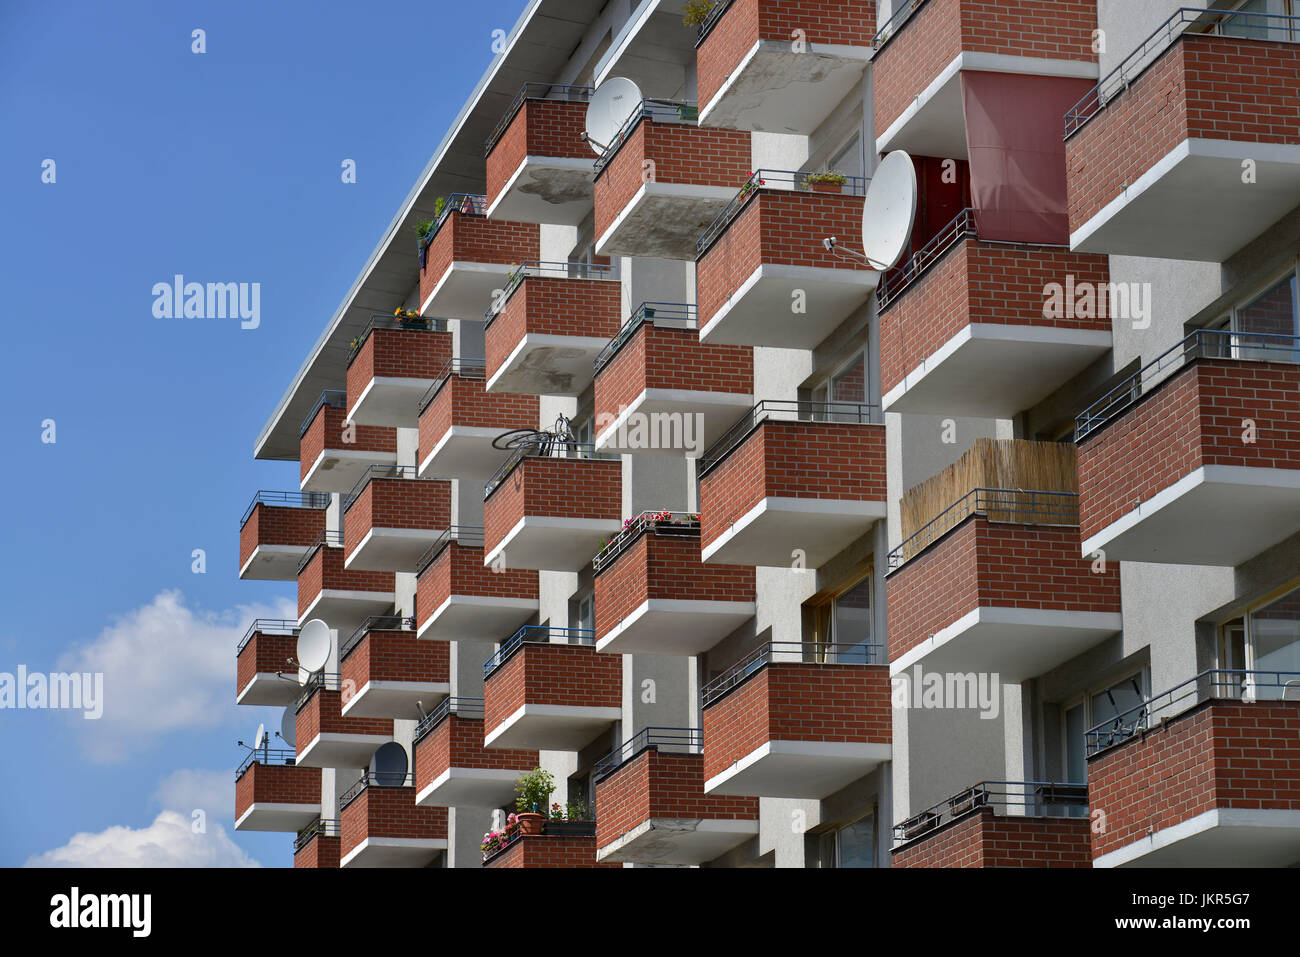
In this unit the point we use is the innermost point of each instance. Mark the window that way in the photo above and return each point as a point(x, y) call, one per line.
point(1267, 25)
point(847, 384)
point(1269, 322)
point(587, 612)
point(1265, 639)
point(1112, 703)
point(845, 621)
point(848, 160)
point(853, 845)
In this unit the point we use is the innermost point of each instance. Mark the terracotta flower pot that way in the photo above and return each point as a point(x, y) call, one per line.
point(821, 186)
point(531, 823)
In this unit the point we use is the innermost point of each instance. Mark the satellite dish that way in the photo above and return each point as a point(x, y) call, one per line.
point(261, 737)
point(609, 107)
point(889, 211)
point(388, 765)
point(314, 645)
point(289, 727)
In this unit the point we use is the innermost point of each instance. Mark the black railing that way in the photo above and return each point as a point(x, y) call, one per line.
point(536, 635)
point(1201, 344)
point(375, 623)
point(1214, 684)
point(660, 111)
point(512, 836)
point(899, 18)
point(776, 181)
point(543, 448)
point(1018, 506)
point(785, 410)
point(317, 681)
point(375, 779)
point(660, 522)
point(535, 91)
point(790, 652)
point(466, 536)
point(1034, 798)
point(285, 500)
point(402, 323)
point(326, 539)
point(406, 473)
point(710, 20)
point(467, 204)
point(462, 368)
point(543, 270)
point(905, 273)
point(667, 740)
point(268, 756)
point(267, 626)
point(679, 315)
point(1235, 24)
point(333, 398)
point(467, 709)
point(317, 828)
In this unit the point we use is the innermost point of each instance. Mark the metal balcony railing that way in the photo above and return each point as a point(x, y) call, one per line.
point(327, 539)
point(902, 14)
point(467, 709)
point(269, 756)
point(1201, 344)
point(544, 270)
point(1032, 798)
point(461, 368)
point(318, 828)
point(401, 323)
point(319, 681)
point(285, 500)
point(1232, 685)
point(1236, 24)
point(467, 204)
point(667, 740)
point(550, 828)
point(375, 623)
point(772, 181)
point(541, 449)
point(466, 536)
point(785, 410)
point(660, 522)
point(790, 652)
point(1018, 506)
point(375, 779)
point(711, 20)
point(683, 112)
point(536, 635)
point(675, 315)
point(536, 91)
point(266, 626)
point(333, 398)
point(406, 473)
point(895, 281)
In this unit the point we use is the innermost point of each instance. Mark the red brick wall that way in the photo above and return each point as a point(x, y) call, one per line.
point(276, 784)
point(323, 714)
point(563, 488)
point(467, 403)
point(474, 239)
point(978, 282)
point(325, 570)
point(326, 432)
point(389, 812)
point(396, 503)
point(1202, 87)
point(460, 571)
point(777, 226)
point(792, 701)
point(320, 851)
point(543, 305)
point(983, 564)
point(809, 460)
point(265, 654)
point(397, 353)
point(697, 156)
point(550, 128)
point(274, 525)
point(458, 743)
point(666, 567)
point(1222, 754)
point(841, 22)
point(552, 674)
point(546, 850)
point(985, 839)
point(655, 785)
point(930, 40)
point(1191, 420)
point(394, 656)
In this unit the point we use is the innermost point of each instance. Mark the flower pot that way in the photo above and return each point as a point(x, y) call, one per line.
point(531, 823)
point(823, 187)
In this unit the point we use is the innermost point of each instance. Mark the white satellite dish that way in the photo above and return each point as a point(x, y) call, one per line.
point(607, 111)
point(260, 739)
point(289, 727)
point(889, 211)
point(314, 646)
point(388, 765)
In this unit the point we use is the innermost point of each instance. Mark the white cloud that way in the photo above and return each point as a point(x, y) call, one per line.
point(168, 842)
point(184, 791)
point(166, 668)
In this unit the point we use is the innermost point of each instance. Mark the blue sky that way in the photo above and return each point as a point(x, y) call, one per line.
point(224, 167)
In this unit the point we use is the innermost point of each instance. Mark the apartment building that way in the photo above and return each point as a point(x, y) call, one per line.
point(614, 467)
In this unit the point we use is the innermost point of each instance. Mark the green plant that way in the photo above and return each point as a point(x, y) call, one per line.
point(828, 176)
point(695, 12)
point(422, 230)
point(439, 205)
point(577, 810)
point(534, 789)
point(557, 812)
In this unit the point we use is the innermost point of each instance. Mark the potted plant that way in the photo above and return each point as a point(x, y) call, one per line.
point(422, 230)
point(827, 181)
point(695, 12)
point(534, 789)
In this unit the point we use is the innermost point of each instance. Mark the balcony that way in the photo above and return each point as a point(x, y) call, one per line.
point(762, 274)
point(544, 332)
point(459, 419)
point(653, 596)
point(317, 845)
point(389, 672)
point(275, 529)
point(1000, 824)
point(1202, 775)
point(663, 180)
point(1216, 425)
point(539, 167)
point(393, 362)
point(326, 739)
point(263, 675)
point(996, 583)
point(465, 257)
point(660, 391)
point(548, 689)
point(787, 491)
point(381, 825)
point(391, 517)
point(333, 453)
point(564, 844)
point(652, 808)
point(797, 720)
point(990, 328)
point(459, 598)
point(752, 77)
point(1204, 110)
point(342, 597)
point(928, 49)
point(273, 794)
point(453, 769)
point(551, 511)
point(653, 48)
